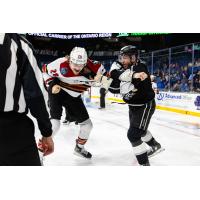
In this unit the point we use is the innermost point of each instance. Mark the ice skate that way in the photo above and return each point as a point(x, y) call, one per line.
point(155, 149)
point(101, 108)
point(66, 122)
point(145, 164)
point(82, 152)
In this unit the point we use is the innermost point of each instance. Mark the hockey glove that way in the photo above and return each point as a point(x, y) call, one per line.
point(104, 80)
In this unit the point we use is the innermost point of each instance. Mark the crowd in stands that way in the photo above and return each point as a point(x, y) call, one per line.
point(175, 77)
point(181, 76)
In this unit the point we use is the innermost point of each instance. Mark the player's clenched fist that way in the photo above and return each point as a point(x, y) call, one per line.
point(56, 89)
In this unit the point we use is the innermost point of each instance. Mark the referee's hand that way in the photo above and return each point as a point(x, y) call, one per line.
point(47, 145)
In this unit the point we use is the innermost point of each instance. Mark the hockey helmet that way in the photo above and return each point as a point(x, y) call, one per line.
point(129, 50)
point(78, 56)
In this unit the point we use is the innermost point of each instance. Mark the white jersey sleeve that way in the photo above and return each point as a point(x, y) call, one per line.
point(52, 70)
point(116, 66)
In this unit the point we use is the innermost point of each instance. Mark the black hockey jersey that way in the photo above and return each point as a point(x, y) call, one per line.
point(142, 92)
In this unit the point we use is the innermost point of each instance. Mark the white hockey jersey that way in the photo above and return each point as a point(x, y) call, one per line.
point(69, 82)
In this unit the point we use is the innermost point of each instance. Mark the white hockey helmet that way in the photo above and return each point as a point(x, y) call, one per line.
point(78, 56)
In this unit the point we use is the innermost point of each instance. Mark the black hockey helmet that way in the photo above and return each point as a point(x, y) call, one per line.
point(129, 50)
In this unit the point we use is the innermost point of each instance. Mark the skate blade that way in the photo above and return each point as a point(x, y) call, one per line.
point(81, 156)
point(66, 124)
point(157, 152)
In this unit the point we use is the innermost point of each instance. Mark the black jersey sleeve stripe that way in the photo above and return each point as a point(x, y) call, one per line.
point(5, 58)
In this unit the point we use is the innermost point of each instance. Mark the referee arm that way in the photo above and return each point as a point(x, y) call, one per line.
point(32, 83)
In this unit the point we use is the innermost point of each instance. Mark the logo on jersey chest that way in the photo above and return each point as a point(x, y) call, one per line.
point(63, 71)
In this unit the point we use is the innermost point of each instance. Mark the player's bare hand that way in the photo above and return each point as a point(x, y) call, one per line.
point(56, 89)
point(140, 75)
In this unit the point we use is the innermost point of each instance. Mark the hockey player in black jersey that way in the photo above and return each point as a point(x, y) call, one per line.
point(131, 77)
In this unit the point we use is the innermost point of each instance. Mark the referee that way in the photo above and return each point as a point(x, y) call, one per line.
point(20, 92)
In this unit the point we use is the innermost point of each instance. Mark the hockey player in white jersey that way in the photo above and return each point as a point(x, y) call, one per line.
point(66, 79)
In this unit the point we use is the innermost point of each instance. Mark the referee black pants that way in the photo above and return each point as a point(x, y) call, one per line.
point(17, 141)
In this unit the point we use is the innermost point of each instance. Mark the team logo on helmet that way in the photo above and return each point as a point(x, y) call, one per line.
point(80, 56)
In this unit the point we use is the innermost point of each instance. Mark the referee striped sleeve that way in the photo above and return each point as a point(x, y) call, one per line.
point(33, 63)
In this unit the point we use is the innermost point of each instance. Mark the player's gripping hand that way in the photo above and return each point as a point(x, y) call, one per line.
point(56, 89)
point(104, 80)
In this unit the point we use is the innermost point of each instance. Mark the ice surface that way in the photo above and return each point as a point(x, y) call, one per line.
point(179, 135)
